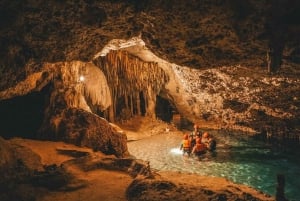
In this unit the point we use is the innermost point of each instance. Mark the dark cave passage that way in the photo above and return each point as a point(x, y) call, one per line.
point(164, 109)
point(22, 116)
point(167, 112)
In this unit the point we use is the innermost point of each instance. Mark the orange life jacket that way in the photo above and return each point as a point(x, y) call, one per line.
point(186, 144)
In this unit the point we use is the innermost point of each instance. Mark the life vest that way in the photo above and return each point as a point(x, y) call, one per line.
point(186, 144)
point(200, 147)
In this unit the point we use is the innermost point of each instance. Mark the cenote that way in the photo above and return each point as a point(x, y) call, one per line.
point(242, 160)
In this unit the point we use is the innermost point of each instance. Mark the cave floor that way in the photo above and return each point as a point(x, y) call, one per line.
point(94, 185)
point(105, 184)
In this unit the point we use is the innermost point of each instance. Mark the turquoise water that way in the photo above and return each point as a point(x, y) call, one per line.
point(240, 159)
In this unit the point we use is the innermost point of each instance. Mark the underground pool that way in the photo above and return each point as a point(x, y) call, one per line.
point(241, 159)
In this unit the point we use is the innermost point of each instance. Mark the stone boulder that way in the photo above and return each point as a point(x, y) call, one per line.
point(83, 128)
point(6, 155)
point(17, 165)
point(17, 161)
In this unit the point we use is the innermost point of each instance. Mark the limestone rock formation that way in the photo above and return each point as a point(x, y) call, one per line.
point(17, 164)
point(69, 68)
point(82, 128)
point(172, 189)
point(117, 59)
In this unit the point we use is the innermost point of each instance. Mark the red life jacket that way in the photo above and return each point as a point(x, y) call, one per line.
point(200, 147)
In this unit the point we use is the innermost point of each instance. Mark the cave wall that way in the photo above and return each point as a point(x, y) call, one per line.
point(63, 110)
point(56, 42)
point(125, 78)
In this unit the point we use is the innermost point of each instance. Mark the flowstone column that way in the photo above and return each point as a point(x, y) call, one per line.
point(151, 100)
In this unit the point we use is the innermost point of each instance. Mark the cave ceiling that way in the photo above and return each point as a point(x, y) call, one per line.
point(197, 34)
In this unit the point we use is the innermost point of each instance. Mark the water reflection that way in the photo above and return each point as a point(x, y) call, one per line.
point(238, 159)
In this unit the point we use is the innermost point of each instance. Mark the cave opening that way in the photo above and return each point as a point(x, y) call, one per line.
point(22, 116)
point(164, 109)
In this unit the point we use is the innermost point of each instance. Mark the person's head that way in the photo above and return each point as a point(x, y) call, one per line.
point(198, 140)
point(205, 135)
point(186, 136)
point(196, 126)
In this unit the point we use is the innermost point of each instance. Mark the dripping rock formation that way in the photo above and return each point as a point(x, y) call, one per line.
point(127, 79)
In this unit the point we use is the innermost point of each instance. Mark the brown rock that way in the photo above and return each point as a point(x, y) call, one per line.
point(86, 129)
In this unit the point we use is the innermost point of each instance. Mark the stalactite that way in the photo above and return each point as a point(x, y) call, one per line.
point(126, 101)
point(146, 100)
point(127, 75)
point(138, 103)
point(131, 105)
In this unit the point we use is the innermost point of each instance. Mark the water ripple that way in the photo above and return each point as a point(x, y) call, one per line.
point(239, 160)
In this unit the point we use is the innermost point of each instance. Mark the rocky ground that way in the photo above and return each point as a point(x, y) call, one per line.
point(44, 171)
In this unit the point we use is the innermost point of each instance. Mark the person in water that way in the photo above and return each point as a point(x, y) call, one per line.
point(199, 147)
point(196, 131)
point(209, 141)
point(193, 135)
point(186, 145)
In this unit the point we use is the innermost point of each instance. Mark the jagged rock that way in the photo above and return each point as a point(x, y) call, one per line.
point(6, 154)
point(83, 128)
point(17, 165)
point(136, 168)
point(17, 161)
point(160, 189)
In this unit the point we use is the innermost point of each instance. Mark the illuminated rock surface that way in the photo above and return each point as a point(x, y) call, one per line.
point(66, 65)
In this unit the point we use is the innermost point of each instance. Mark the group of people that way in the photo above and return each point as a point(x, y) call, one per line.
point(197, 143)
